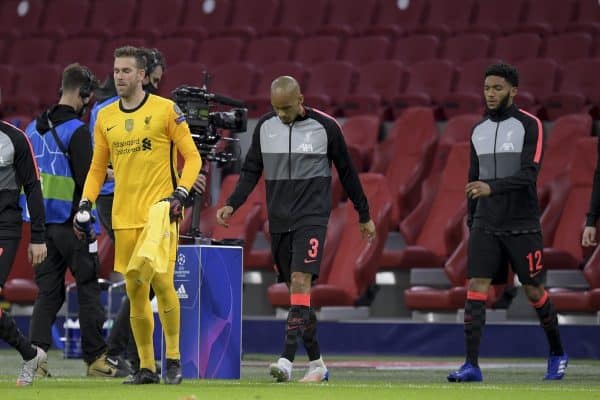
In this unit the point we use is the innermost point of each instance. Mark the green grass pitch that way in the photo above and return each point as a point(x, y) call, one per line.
point(351, 378)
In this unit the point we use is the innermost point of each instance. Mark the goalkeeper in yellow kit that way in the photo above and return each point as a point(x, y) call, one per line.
point(141, 134)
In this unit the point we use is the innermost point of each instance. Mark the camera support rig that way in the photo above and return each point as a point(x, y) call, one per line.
point(195, 103)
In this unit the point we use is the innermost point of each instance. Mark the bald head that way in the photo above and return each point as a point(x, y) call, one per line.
point(286, 98)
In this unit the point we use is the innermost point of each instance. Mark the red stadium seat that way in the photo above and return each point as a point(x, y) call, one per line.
point(218, 51)
point(181, 74)
point(496, 18)
point(234, 80)
point(588, 18)
point(466, 47)
point(201, 19)
point(518, 46)
point(537, 80)
point(268, 50)
point(64, 18)
point(20, 287)
point(31, 51)
point(36, 87)
point(416, 48)
point(252, 18)
point(394, 18)
point(458, 129)
point(7, 82)
point(362, 132)
point(105, 22)
point(569, 46)
point(81, 50)
point(441, 209)
point(428, 83)
point(366, 49)
point(243, 224)
point(547, 16)
point(19, 18)
point(329, 84)
point(378, 83)
point(565, 252)
point(569, 300)
point(560, 146)
point(347, 18)
point(403, 157)
point(300, 18)
point(448, 17)
point(157, 19)
point(176, 49)
point(260, 102)
point(552, 184)
point(467, 97)
point(316, 49)
point(579, 87)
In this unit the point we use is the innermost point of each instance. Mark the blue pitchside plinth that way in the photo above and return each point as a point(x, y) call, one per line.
point(208, 280)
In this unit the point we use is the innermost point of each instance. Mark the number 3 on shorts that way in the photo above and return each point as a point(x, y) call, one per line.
point(314, 247)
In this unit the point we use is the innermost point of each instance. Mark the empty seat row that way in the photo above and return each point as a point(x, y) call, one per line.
point(267, 50)
point(385, 88)
point(339, 17)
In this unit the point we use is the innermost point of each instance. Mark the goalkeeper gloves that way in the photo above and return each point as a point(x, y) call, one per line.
point(83, 222)
point(176, 201)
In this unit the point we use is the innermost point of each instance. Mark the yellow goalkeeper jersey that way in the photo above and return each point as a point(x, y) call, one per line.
point(142, 145)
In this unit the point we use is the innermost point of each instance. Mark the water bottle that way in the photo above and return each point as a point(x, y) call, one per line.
point(84, 219)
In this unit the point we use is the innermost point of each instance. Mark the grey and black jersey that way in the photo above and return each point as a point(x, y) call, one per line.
point(18, 170)
point(296, 162)
point(506, 153)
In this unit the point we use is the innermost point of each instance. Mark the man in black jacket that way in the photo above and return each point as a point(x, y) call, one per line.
point(62, 145)
point(294, 147)
point(504, 217)
point(19, 170)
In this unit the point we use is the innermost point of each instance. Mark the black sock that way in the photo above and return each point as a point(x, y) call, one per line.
point(549, 321)
point(11, 334)
point(311, 344)
point(298, 317)
point(474, 323)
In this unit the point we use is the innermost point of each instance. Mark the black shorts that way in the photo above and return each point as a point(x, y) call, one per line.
point(8, 251)
point(489, 256)
point(298, 251)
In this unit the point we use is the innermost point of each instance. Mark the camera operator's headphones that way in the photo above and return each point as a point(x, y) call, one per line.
point(88, 87)
point(153, 60)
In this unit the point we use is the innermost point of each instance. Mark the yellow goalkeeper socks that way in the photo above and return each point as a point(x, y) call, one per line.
point(168, 311)
point(142, 320)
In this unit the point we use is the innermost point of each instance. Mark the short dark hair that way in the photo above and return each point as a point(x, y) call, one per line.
point(154, 58)
point(76, 76)
point(134, 52)
point(505, 71)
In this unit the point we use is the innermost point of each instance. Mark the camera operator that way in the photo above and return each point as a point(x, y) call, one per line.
point(62, 146)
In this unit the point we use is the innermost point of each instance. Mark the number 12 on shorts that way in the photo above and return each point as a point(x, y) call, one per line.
point(535, 262)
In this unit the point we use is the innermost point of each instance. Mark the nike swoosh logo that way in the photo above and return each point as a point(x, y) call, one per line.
point(108, 129)
point(107, 371)
point(308, 261)
point(537, 273)
point(113, 362)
